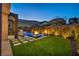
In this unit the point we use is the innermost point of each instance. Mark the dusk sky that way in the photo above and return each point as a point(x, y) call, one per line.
point(45, 11)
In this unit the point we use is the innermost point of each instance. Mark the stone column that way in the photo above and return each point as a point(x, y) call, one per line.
point(5, 44)
point(16, 26)
point(14, 18)
point(0, 27)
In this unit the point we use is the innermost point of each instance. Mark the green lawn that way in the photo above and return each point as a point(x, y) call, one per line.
point(49, 46)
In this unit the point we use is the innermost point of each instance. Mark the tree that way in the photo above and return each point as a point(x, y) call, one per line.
point(74, 20)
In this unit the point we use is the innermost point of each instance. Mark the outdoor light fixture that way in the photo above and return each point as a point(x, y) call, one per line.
point(46, 32)
point(36, 32)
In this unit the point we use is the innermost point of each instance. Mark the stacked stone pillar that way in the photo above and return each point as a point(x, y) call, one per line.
point(14, 19)
point(5, 48)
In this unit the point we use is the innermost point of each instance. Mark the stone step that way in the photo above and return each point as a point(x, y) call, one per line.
point(17, 44)
point(77, 51)
point(25, 42)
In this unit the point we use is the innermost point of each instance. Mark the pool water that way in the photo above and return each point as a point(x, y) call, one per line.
point(30, 34)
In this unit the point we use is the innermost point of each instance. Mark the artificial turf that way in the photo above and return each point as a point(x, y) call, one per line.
point(48, 46)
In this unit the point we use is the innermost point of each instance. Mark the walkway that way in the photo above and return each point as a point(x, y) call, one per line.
point(6, 49)
point(72, 42)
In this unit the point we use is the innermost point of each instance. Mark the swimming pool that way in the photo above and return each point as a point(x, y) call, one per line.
point(30, 34)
